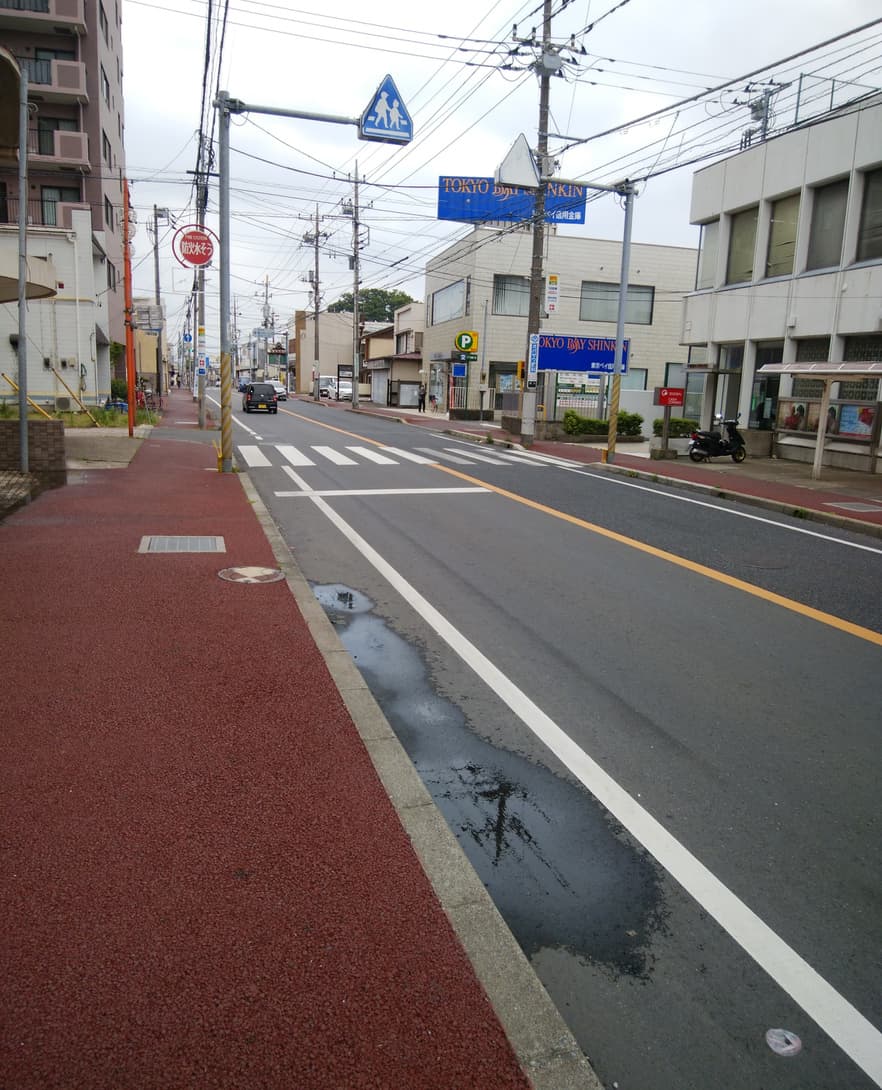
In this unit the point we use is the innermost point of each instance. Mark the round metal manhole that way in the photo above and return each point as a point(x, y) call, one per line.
point(251, 575)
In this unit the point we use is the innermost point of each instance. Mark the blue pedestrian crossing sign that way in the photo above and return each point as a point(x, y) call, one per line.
point(386, 118)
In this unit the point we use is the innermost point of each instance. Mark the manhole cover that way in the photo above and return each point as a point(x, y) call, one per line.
point(251, 575)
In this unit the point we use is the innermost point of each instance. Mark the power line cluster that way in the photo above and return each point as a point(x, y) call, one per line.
point(706, 124)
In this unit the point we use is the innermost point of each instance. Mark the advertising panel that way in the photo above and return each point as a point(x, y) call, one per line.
point(565, 352)
point(483, 200)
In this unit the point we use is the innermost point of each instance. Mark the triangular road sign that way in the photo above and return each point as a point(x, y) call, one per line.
point(386, 117)
point(519, 167)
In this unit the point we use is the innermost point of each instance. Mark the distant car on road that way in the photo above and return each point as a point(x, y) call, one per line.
point(281, 391)
point(327, 386)
point(344, 390)
point(260, 395)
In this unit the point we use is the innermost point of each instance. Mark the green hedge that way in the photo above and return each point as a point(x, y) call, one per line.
point(628, 424)
point(678, 427)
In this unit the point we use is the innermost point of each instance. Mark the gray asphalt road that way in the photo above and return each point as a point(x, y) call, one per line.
point(652, 724)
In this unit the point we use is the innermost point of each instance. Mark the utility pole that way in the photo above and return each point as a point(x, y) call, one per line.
point(157, 212)
point(313, 238)
point(548, 62)
point(356, 309)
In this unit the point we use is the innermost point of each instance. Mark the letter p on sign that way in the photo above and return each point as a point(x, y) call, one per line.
point(466, 341)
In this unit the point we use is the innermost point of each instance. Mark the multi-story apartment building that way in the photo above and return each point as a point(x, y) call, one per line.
point(790, 278)
point(71, 54)
point(481, 285)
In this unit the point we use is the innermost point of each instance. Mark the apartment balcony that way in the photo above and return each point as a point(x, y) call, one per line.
point(43, 16)
point(43, 213)
point(58, 150)
point(55, 81)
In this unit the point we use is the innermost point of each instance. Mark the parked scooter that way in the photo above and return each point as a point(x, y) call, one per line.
point(711, 444)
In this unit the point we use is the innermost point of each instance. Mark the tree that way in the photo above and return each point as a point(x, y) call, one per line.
point(376, 305)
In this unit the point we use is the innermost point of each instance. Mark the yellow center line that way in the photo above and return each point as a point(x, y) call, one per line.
point(661, 554)
point(681, 562)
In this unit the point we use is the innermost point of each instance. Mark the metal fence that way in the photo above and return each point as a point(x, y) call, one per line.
point(464, 398)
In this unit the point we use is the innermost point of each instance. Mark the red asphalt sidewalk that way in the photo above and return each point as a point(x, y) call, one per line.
point(206, 884)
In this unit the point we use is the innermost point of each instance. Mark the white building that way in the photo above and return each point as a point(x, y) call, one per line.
point(481, 284)
point(790, 272)
point(67, 346)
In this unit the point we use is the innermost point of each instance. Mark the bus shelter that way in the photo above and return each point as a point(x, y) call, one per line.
point(855, 422)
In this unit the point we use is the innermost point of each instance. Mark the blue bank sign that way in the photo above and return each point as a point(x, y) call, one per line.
point(478, 200)
point(565, 352)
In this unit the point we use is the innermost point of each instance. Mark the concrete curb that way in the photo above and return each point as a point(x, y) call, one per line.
point(542, 1042)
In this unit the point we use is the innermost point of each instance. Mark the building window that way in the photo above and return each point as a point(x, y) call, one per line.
point(105, 86)
point(600, 303)
point(102, 22)
point(782, 236)
point(449, 303)
point(108, 213)
point(742, 242)
point(111, 276)
point(707, 255)
point(861, 350)
point(828, 223)
point(870, 232)
point(511, 295)
point(51, 196)
point(105, 148)
point(46, 129)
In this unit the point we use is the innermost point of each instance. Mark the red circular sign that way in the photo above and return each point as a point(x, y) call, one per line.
point(194, 245)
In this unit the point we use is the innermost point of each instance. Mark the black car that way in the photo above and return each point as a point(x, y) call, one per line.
point(260, 395)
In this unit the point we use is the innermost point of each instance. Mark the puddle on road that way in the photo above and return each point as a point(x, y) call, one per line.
point(555, 863)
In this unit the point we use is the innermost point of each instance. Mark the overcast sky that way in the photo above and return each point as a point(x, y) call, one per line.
point(469, 98)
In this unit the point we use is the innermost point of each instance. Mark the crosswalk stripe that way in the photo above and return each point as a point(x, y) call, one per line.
point(410, 456)
point(293, 455)
point(484, 458)
point(254, 456)
point(335, 456)
point(373, 456)
point(445, 456)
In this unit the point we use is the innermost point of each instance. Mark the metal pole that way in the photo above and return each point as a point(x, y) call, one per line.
point(23, 271)
point(201, 202)
point(224, 210)
point(627, 190)
point(157, 299)
point(356, 310)
point(315, 299)
point(127, 295)
point(528, 398)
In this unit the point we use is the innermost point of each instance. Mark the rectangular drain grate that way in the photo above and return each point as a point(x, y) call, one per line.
point(159, 544)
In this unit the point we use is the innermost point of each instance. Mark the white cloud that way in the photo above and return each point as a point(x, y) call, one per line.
point(641, 58)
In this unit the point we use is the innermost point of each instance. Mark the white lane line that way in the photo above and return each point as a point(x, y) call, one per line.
point(409, 456)
point(481, 458)
point(254, 457)
point(383, 492)
point(373, 456)
point(728, 511)
point(447, 457)
point(335, 456)
point(850, 1030)
point(293, 455)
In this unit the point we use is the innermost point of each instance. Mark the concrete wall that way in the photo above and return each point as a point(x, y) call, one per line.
point(46, 457)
